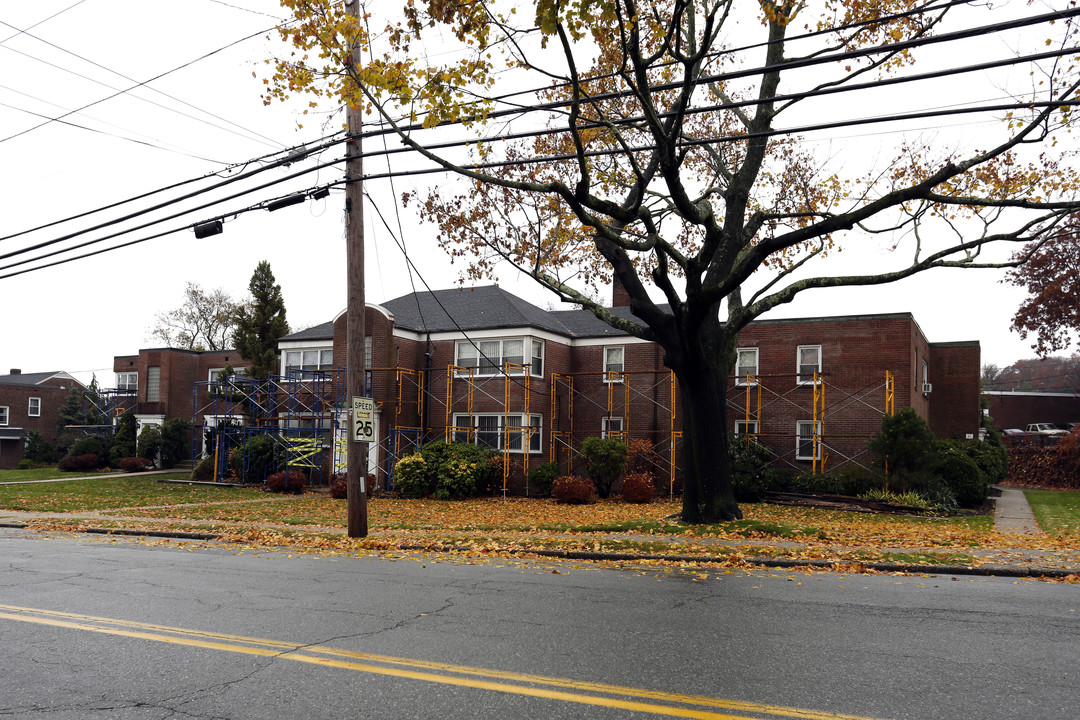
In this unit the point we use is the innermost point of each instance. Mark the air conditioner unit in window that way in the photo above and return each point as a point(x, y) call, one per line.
point(927, 387)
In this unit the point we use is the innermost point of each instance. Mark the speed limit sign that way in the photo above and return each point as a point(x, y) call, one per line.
point(363, 409)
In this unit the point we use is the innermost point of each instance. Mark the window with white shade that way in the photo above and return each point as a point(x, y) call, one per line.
point(809, 362)
point(614, 363)
point(746, 366)
point(806, 431)
point(34, 410)
point(500, 432)
point(489, 357)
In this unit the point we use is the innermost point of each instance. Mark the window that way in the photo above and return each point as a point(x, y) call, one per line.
point(500, 432)
point(35, 407)
point(613, 364)
point(153, 384)
point(214, 374)
point(313, 359)
point(3, 415)
point(746, 427)
point(809, 362)
point(127, 381)
point(489, 357)
point(611, 427)
point(804, 450)
point(746, 365)
point(367, 352)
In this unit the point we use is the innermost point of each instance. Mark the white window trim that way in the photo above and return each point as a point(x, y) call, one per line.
point(5, 416)
point(808, 379)
point(319, 366)
point(499, 368)
point(461, 420)
point(31, 411)
point(740, 380)
point(605, 427)
point(750, 427)
point(613, 376)
point(125, 384)
point(799, 424)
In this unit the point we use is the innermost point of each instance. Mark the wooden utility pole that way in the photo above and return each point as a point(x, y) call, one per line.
point(356, 479)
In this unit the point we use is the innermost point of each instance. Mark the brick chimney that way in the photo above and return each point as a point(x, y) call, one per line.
point(619, 296)
point(15, 371)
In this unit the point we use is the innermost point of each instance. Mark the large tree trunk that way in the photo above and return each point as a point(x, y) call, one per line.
point(706, 471)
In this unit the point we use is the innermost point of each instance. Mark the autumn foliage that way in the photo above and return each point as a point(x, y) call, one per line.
point(287, 481)
point(638, 487)
point(574, 490)
point(1052, 278)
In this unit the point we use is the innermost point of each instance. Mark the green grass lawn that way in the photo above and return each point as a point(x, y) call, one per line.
point(113, 492)
point(1058, 511)
point(49, 473)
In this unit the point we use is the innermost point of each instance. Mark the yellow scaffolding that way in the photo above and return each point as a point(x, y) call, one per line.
point(451, 372)
point(524, 432)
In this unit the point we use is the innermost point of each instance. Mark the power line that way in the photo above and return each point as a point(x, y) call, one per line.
point(135, 86)
point(268, 140)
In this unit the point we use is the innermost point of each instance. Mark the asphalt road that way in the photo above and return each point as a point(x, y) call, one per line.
point(97, 628)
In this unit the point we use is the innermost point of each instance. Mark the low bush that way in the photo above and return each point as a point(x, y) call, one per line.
point(574, 490)
point(204, 470)
point(135, 464)
point(446, 471)
point(149, 444)
point(638, 487)
point(411, 476)
point(339, 486)
point(79, 463)
point(262, 459)
point(542, 479)
point(605, 462)
point(123, 440)
point(90, 446)
point(37, 449)
point(962, 475)
point(749, 462)
point(287, 481)
point(174, 441)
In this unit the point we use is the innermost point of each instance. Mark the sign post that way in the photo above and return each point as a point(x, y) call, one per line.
point(363, 428)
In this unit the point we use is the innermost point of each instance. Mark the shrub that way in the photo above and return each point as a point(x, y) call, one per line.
point(149, 443)
point(642, 457)
point(89, 446)
point(135, 464)
point(991, 458)
point(287, 481)
point(261, 458)
point(204, 471)
point(37, 449)
point(79, 463)
point(962, 475)
point(639, 487)
point(446, 470)
point(574, 490)
point(749, 460)
point(411, 476)
point(174, 441)
point(123, 442)
point(605, 462)
point(542, 478)
point(339, 486)
point(905, 444)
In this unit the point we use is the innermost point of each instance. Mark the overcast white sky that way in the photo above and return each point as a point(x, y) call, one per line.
point(208, 115)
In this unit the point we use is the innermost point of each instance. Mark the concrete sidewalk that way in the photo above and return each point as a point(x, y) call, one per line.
point(1012, 513)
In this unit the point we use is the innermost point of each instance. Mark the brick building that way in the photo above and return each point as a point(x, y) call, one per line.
point(29, 401)
point(813, 389)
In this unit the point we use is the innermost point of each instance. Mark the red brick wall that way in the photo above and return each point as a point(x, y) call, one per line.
point(17, 400)
point(955, 371)
point(1018, 410)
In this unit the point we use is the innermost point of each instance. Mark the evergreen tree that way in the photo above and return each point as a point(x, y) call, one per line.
point(124, 441)
point(260, 322)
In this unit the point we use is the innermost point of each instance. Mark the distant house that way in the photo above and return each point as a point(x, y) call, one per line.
point(29, 401)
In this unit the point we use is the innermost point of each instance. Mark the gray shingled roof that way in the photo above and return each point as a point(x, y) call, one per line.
point(30, 378)
point(487, 307)
point(324, 331)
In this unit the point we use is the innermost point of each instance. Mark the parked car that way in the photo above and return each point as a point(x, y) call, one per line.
point(1045, 429)
point(1067, 427)
point(1013, 431)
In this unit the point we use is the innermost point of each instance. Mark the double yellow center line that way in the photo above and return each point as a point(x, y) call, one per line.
point(561, 689)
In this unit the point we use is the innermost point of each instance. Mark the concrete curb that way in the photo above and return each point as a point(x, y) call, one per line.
point(1016, 571)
